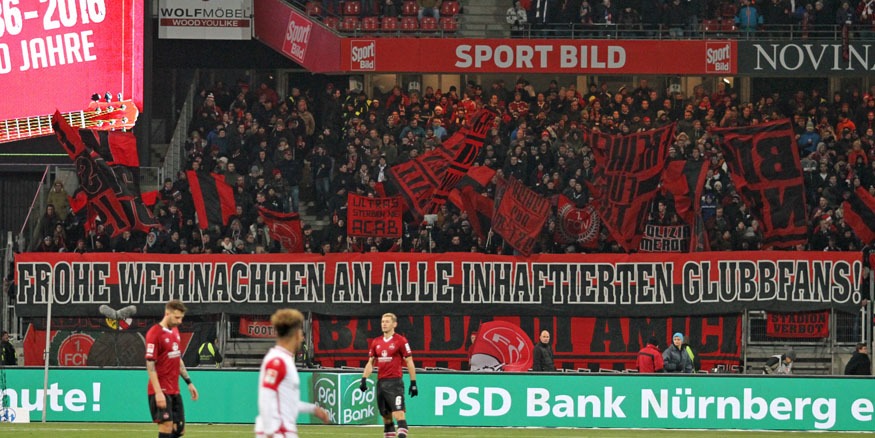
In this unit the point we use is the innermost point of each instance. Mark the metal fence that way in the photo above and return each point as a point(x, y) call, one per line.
point(815, 354)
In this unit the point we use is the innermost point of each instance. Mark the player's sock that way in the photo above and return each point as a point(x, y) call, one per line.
point(389, 430)
point(402, 428)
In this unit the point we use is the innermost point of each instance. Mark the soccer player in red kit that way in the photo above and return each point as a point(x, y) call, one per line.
point(390, 351)
point(279, 386)
point(164, 366)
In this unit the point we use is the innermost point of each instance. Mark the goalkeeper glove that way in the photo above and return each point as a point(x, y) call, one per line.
point(364, 384)
point(413, 391)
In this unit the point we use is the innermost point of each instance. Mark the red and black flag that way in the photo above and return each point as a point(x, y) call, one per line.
point(425, 182)
point(685, 180)
point(577, 225)
point(627, 175)
point(520, 214)
point(859, 212)
point(108, 171)
point(284, 228)
point(213, 198)
point(764, 164)
point(468, 196)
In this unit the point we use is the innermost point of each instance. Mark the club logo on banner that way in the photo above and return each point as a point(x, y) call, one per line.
point(577, 224)
point(285, 228)
point(665, 238)
point(797, 325)
point(373, 217)
point(501, 346)
point(764, 164)
point(520, 215)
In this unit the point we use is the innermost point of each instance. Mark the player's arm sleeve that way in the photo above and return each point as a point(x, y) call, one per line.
point(151, 345)
point(268, 396)
point(306, 407)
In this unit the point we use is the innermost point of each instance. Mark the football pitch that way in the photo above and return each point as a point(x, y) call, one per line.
point(144, 430)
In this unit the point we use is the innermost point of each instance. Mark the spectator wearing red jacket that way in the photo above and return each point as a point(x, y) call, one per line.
point(650, 358)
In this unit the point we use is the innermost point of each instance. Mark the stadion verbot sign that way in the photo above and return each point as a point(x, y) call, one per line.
point(545, 56)
point(71, 48)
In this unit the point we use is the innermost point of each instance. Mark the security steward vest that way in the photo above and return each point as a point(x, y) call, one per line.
point(207, 355)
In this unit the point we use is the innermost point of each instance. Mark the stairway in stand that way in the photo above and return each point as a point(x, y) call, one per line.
point(484, 19)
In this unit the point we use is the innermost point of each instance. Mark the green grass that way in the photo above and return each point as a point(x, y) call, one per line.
point(136, 430)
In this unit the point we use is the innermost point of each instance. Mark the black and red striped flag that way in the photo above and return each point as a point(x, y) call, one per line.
point(213, 198)
point(764, 163)
point(284, 228)
point(108, 171)
point(859, 212)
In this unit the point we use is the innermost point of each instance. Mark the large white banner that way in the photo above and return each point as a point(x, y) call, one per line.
point(205, 20)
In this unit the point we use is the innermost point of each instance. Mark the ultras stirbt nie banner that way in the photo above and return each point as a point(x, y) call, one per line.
point(457, 283)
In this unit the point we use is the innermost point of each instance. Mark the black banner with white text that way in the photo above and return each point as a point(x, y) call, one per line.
point(457, 284)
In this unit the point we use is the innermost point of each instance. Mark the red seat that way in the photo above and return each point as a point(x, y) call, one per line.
point(727, 26)
point(370, 24)
point(349, 24)
point(428, 24)
point(409, 24)
point(331, 22)
point(449, 8)
point(389, 24)
point(314, 8)
point(710, 25)
point(448, 24)
point(352, 8)
point(409, 8)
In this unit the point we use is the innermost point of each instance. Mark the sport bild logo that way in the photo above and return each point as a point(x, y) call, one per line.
point(297, 37)
point(363, 55)
point(718, 57)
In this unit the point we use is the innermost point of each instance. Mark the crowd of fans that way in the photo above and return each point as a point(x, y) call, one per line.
point(679, 16)
point(309, 149)
point(637, 18)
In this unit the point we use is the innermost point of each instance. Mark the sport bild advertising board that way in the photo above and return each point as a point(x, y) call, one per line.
point(460, 283)
point(57, 53)
point(474, 399)
point(461, 55)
